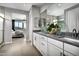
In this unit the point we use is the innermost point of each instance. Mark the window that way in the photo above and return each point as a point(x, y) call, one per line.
point(24, 24)
point(20, 24)
point(16, 24)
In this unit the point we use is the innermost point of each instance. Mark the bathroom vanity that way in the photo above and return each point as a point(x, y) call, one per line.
point(53, 45)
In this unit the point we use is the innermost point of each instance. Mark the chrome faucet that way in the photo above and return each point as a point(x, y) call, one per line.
point(74, 32)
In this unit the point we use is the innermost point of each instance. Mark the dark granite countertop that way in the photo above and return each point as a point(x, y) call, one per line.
point(71, 41)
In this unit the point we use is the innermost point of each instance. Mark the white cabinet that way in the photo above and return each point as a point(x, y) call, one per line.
point(40, 42)
point(55, 48)
point(54, 51)
point(34, 38)
point(36, 41)
point(55, 42)
point(47, 46)
point(71, 49)
point(67, 54)
point(43, 45)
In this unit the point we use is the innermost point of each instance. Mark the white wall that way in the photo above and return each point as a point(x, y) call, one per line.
point(34, 12)
point(1, 25)
point(8, 26)
point(30, 25)
point(27, 26)
point(18, 16)
point(35, 17)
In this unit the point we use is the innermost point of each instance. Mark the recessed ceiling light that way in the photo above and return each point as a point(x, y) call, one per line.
point(24, 4)
point(59, 4)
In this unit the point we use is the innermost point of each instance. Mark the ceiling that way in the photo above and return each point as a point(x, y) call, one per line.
point(21, 6)
point(17, 16)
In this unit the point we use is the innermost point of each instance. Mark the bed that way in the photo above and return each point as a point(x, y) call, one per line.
point(17, 34)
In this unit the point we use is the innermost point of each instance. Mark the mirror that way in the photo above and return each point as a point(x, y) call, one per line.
point(57, 20)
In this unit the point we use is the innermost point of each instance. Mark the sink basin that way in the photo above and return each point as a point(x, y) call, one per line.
point(60, 36)
point(71, 39)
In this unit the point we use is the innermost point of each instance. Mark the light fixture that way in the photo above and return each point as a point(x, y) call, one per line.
point(59, 4)
point(24, 4)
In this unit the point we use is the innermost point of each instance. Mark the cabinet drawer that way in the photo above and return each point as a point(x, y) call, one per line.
point(55, 42)
point(43, 47)
point(72, 49)
point(43, 38)
point(43, 44)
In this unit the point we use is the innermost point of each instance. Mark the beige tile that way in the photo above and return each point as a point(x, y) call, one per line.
point(19, 48)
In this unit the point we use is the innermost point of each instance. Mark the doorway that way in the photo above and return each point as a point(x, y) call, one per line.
point(18, 27)
point(1, 30)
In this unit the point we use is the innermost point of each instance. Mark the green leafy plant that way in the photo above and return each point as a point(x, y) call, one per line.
point(56, 26)
point(52, 26)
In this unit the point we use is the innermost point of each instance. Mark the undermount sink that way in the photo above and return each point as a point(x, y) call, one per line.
point(60, 36)
point(71, 39)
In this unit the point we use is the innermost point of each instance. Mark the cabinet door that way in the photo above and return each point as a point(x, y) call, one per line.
point(72, 49)
point(34, 38)
point(67, 54)
point(37, 41)
point(1, 36)
point(43, 45)
point(56, 42)
point(53, 50)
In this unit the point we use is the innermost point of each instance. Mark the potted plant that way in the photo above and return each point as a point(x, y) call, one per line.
point(53, 28)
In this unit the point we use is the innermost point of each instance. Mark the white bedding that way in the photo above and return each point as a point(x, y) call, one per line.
point(13, 33)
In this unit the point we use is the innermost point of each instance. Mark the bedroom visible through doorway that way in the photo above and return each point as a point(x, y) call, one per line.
point(18, 27)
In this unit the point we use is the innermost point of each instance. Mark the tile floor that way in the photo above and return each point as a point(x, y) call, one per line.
point(19, 48)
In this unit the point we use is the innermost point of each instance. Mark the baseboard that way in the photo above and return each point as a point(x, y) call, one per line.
point(8, 42)
point(2, 45)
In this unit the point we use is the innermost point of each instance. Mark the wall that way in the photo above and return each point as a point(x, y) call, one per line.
point(30, 25)
point(18, 16)
point(8, 27)
point(1, 26)
point(27, 26)
point(34, 13)
point(36, 17)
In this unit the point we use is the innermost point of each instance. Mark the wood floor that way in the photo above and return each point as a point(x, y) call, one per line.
point(19, 47)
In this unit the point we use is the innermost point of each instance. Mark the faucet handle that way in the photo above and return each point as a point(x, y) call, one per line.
point(74, 30)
